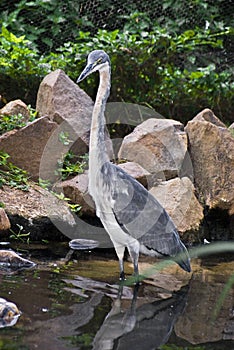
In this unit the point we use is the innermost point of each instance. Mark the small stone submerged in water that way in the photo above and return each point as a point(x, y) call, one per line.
point(9, 313)
point(10, 259)
point(83, 244)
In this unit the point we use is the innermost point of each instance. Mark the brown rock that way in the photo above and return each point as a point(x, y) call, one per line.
point(61, 100)
point(158, 145)
point(178, 198)
point(14, 108)
point(212, 154)
point(208, 116)
point(136, 171)
point(34, 203)
point(36, 210)
point(26, 145)
point(77, 190)
point(4, 221)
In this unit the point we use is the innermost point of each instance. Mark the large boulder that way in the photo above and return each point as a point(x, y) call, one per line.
point(211, 147)
point(178, 198)
point(61, 100)
point(26, 145)
point(158, 145)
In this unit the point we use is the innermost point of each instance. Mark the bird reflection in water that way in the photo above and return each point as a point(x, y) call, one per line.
point(147, 326)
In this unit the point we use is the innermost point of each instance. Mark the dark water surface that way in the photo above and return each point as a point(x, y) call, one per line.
point(79, 304)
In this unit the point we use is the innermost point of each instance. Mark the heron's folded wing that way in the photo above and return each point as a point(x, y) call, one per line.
point(139, 213)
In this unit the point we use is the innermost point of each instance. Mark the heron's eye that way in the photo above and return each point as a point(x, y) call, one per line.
point(99, 60)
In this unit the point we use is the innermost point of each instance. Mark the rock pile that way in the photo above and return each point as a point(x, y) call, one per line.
point(186, 169)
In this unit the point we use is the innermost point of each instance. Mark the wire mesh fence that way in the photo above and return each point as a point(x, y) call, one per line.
point(52, 23)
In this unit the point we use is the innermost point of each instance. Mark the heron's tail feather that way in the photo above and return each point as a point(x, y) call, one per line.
point(183, 259)
point(185, 264)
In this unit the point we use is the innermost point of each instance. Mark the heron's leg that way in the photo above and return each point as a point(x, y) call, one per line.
point(133, 249)
point(120, 253)
point(121, 268)
point(135, 294)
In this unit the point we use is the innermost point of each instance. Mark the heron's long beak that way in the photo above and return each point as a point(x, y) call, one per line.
point(85, 73)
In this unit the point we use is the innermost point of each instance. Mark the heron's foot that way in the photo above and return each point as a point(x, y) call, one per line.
point(137, 279)
point(122, 276)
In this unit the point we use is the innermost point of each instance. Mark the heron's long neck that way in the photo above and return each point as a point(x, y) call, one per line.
point(97, 148)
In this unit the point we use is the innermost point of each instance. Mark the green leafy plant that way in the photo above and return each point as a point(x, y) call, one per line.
point(11, 175)
point(20, 236)
point(46, 184)
point(71, 165)
point(8, 123)
point(17, 56)
point(76, 208)
point(169, 62)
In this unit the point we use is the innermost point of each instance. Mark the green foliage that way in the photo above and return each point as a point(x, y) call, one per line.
point(64, 138)
point(76, 208)
point(11, 175)
point(173, 62)
point(168, 71)
point(17, 56)
point(71, 165)
point(10, 122)
point(46, 184)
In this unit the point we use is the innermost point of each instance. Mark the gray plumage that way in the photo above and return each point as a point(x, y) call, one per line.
point(129, 213)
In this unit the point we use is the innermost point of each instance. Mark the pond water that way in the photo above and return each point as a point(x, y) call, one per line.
point(78, 303)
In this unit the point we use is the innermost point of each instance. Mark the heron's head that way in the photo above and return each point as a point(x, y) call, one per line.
point(97, 60)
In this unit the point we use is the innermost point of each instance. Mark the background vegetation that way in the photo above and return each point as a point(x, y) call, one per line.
point(176, 56)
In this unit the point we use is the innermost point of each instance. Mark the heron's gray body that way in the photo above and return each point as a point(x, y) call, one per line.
point(133, 218)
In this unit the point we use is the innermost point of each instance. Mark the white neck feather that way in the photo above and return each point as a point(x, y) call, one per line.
point(97, 148)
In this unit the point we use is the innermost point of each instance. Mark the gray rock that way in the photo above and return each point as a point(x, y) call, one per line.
point(64, 103)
